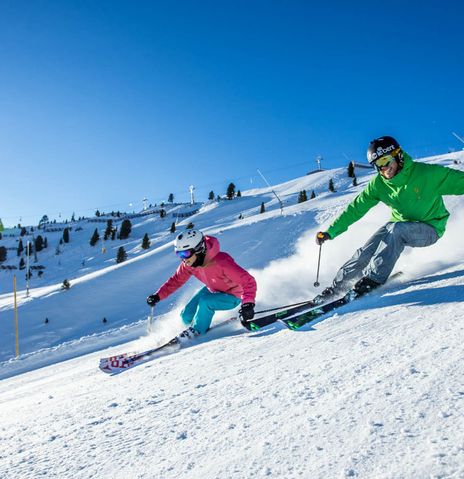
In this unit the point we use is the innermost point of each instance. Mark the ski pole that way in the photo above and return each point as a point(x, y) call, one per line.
point(316, 283)
point(150, 320)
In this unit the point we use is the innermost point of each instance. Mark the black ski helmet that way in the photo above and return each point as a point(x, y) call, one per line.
point(382, 146)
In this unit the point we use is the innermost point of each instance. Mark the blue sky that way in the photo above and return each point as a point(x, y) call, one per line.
point(105, 103)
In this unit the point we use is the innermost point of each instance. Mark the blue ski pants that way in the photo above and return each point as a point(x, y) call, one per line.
point(377, 258)
point(199, 311)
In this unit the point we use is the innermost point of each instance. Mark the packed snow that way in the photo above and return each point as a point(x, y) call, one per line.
point(373, 390)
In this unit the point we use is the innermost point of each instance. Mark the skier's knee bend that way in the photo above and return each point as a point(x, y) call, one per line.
point(397, 228)
point(205, 303)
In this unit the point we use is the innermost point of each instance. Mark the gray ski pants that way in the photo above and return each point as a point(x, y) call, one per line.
point(378, 256)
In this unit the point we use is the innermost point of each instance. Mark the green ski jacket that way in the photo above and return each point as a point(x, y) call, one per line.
point(414, 194)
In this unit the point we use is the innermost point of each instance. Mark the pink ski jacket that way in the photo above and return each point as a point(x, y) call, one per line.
point(220, 273)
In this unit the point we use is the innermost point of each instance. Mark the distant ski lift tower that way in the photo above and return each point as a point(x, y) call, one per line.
point(192, 197)
point(145, 204)
point(318, 161)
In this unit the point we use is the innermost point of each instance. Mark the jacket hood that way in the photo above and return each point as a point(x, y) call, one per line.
point(212, 248)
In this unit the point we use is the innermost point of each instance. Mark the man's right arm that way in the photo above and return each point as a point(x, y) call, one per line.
point(366, 200)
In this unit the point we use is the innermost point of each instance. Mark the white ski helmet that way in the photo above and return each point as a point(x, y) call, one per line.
point(191, 240)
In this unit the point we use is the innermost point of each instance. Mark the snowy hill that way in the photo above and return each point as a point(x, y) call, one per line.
point(375, 390)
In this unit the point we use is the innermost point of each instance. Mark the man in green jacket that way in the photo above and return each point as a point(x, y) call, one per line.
point(414, 192)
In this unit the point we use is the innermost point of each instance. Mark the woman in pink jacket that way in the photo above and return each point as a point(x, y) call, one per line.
point(227, 284)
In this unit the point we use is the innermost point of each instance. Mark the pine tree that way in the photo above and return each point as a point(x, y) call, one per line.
point(211, 196)
point(171, 198)
point(109, 228)
point(39, 243)
point(23, 231)
point(173, 228)
point(20, 247)
point(263, 209)
point(351, 170)
point(95, 237)
point(230, 191)
point(355, 181)
point(146, 242)
point(3, 254)
point(331, 186)
point(43, 221)
point(66, 235)
point(313, 195)
point(239, 194)
point(122, 255)
point(97, 214)
point(302, 197)
point(162, 213)
point(126, 228)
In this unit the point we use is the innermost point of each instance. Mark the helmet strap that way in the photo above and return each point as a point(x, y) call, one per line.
point(400, 160)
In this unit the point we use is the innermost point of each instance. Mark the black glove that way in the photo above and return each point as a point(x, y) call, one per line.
point(248, 311)
point(153, 299)
point(321, 237)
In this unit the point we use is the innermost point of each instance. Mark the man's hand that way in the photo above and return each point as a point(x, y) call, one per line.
point(248, 311)
point(153, 299)
point(321, 237)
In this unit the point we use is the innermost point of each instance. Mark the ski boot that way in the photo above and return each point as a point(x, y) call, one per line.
point(187, 335)
point(326, 295)
point(364, 285)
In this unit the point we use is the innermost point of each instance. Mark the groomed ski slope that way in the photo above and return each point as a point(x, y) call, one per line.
point(375, 390)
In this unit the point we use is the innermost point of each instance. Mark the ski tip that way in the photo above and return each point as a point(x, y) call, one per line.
point(105, 368)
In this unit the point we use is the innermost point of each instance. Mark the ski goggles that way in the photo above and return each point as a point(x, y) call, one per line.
point(386, 160)
point(185, 254)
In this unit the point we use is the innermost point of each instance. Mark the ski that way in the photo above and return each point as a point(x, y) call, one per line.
point(122, 362)
point(262, 321)
point(295, 318)
point(299, 320)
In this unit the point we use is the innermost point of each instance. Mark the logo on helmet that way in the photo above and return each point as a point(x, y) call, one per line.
point(380, 152)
